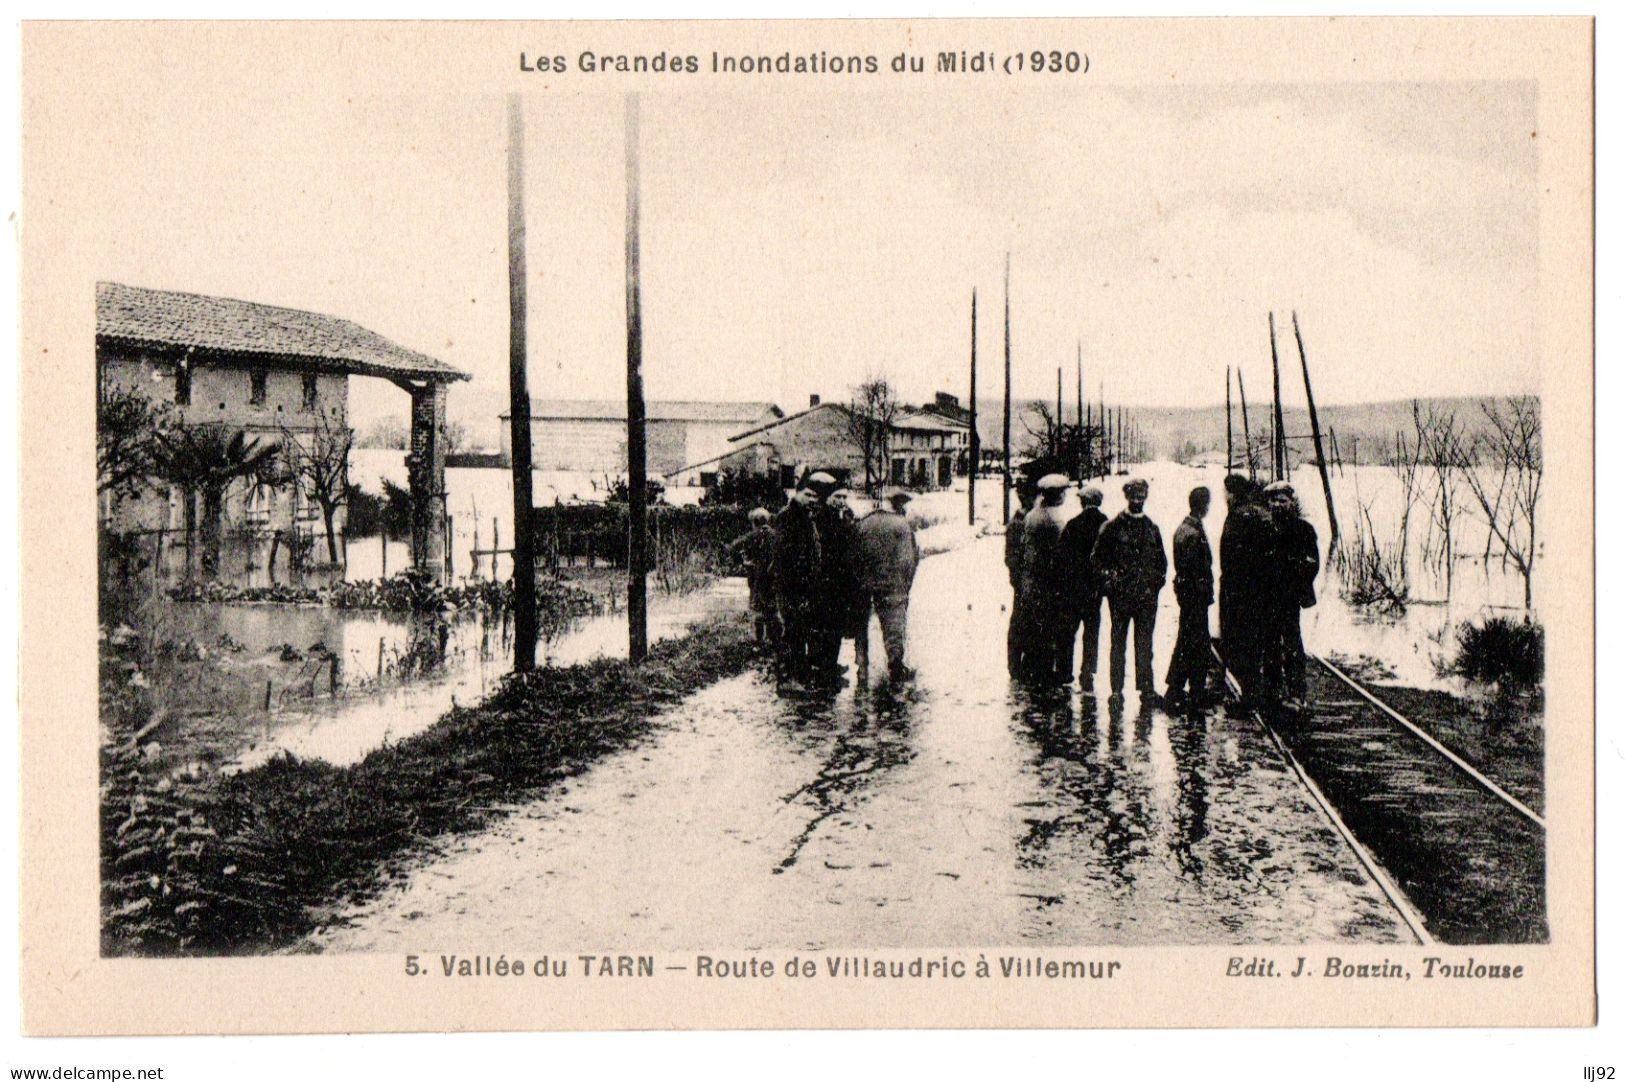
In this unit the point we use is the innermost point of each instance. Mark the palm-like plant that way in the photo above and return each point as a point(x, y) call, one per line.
point(202, 460)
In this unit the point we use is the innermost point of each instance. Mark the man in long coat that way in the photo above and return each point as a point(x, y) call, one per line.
point(836, 582)
point(1078, 575)
point(887, 558)
point(1193, 588)
point(1294, 561)
point(1133, 567)
point(796, 558)
point(1015, 640)
point(1043, 588)
point(1244, 548)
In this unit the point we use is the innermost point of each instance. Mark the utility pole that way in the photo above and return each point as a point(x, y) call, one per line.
point(1006, 504)
point(1246, 428)
point(524, 545)
point(1082, 431)
point(1320, 450)
point(975, 436)
point(637, 549)
point(1278, 425)
point(1055, 444)
point(1229, 432)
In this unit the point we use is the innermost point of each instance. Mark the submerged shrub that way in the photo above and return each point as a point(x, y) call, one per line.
point(1503, 651)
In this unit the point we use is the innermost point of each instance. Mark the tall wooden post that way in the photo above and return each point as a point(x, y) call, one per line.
point(975, 436)
point(637, 581)
point(524, 550)
point(1229, 430)
point(1320, 450)
point(1055, 444)
point(1081, 429)
point(1006, 500)
point(1246, 427)
point(1277, 424)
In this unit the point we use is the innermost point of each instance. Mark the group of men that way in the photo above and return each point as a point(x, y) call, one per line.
point(817, 573)
point(1065, 570)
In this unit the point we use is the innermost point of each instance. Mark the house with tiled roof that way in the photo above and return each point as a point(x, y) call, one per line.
point(273, 374)
point(924, 448)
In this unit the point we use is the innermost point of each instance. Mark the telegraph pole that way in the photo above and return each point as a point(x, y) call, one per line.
point(975, 436)
point(1006, 502)
point(524, 545)
point(637, 549)
point(1229, 431)
point(1277, 424)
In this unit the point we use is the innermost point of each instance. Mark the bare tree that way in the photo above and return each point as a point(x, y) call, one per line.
point(1043, 433)
point(1505, 483)
point(1442, 448)
point(1405, 462)
point(318, 463)
point(870, 417)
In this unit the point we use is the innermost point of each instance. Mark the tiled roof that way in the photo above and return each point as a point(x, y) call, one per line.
point(155, 317)
point(609, 409)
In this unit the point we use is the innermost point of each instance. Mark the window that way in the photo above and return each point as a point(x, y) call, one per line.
point(256, 387)
point(308, 403)
point(183, 383)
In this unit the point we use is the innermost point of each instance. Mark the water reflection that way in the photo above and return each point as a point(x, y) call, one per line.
point(858, 739)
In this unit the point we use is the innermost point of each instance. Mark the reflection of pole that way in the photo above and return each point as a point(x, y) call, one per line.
point(1006, 504)
point(637, 582)
point(524, 558)
point(1246, 428)
point(1229, 432)
point(1314, 429)
point(975, 436)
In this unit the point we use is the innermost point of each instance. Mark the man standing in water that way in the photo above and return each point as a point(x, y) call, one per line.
point(1294, 561)
point(1043, 586)
point(1015, 640)
point(887, 557)
point(796, 558)
point(1193, 588)
point(1133, 566)
point(1083, 585)
point(1243, 551)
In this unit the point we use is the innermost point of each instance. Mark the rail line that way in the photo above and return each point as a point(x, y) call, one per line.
point(1461, 859)
point(1373, 868)
point(1427, 738)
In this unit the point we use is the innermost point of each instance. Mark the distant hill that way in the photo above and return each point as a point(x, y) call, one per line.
point(1364, 431)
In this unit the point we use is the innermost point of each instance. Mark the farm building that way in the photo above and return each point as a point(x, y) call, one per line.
point(924, 449)
point(213, 365)
point(589, 436)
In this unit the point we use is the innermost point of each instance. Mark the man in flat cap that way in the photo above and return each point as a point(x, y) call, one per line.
point(796, 558)
point(836, 588)
point(887, 557)
point(754, 550)
point(1193, 588)
point(1133, 566)
point(1294, 561)
point(1244, 555)
point(1042, 585)
point(1015, 641)
point(1078, 575)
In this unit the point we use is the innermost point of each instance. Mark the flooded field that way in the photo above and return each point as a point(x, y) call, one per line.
point(342, 682)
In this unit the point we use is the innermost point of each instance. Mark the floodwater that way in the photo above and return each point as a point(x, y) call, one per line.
point(955, 811)
point(397, 674)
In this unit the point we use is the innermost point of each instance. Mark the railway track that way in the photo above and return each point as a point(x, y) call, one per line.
point(1461, 857)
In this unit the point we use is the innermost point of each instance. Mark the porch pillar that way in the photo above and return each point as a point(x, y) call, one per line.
point(426, 476)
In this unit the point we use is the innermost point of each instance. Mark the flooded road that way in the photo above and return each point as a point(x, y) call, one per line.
point(958, 811)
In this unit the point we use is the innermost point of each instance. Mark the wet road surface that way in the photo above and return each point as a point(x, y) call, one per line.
point(959, 811)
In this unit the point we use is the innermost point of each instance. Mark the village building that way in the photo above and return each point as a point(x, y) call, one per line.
point(923, 449)
point(589, 436)
point(273, 374)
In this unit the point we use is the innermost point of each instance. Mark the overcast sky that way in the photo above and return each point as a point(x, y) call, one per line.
point(796, 243)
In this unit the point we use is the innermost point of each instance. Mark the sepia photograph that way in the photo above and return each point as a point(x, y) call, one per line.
point(762, 513)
